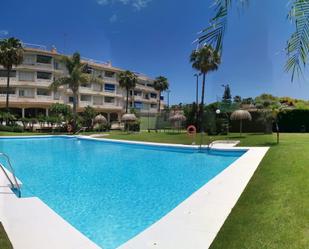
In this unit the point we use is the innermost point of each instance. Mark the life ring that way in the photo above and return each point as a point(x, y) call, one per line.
point(69, 128)
point(191, 130)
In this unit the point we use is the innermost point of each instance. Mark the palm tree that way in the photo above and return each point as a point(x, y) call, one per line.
point(76, 76)
point(127, 80)
point(205, 60)
point(160, 84)
point(297, 46)
point(11, 54)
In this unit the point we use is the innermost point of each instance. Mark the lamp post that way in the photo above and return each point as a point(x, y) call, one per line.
point(218, 111)
point(197, 104)
point(168, 98)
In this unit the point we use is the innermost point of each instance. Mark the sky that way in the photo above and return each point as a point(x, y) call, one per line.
point(155, 37)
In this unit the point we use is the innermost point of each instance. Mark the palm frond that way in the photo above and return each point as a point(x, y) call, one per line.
point(60, 82)
point(298, 45)
point(213, 34)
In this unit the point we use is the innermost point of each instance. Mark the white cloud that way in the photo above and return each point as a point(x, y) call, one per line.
point(136, 4)
point(113, 18)
point(4, 32)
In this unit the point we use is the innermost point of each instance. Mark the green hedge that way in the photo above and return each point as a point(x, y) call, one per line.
point(294, 121)
point(15, 128)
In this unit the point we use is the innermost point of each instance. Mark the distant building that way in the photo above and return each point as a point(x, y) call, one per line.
point(30, 95)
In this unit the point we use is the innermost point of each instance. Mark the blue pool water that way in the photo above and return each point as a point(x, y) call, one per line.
point(110, 191)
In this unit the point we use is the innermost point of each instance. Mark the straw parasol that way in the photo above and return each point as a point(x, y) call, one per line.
point(129, 117)
point(241, 115)
point(100, 119)
point(177, 119)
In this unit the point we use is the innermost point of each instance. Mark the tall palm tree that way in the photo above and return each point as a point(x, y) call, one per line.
point(205, 60)
point(297, 46)
point(11, 54)
point(127, 80)
point(76, 76)
point(160, 84)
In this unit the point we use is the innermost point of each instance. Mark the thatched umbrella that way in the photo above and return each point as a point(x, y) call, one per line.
point(129, 118)
point(100, 119)
point(241, 115)
point(177, 119)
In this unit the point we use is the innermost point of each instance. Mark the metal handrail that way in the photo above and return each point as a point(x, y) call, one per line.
point(14, 185)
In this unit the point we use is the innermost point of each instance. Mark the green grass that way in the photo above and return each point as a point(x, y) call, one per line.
point(4, 240)
point(273, 211)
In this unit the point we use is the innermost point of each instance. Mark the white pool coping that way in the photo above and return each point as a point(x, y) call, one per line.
point(194, 223)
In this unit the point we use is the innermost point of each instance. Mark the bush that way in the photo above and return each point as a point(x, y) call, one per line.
point(14, 128)
point(293, 121)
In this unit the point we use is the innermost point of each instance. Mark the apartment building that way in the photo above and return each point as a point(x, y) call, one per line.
point(30, 94)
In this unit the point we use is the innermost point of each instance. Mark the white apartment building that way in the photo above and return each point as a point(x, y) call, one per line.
point(30, 95)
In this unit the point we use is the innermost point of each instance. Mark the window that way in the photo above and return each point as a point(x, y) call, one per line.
point(43, 92)
point(109, 74)
point(109, 99)
point(109, 88)
point(27, 93)
point(71, 99)
point(44, 59)
point(146, 96)
point(97, 100)
point(11, 90)
point(153, 95)
point(97, 87)
point(3, 73)
point(149, 84)
point(56, 95)
point(29, 59)
point(161, 97)
point(137, 93)
point(153, 105)
point(26, 76)
point(85, 98)
point(44, 75)
point(138, 105)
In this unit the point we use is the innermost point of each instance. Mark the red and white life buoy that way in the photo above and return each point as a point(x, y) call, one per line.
point(191, 130)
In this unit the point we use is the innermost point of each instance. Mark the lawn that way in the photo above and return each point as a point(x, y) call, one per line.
point(273, 211)
point(4, 241)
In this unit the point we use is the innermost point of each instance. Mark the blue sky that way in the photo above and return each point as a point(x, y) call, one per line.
point(155, 37)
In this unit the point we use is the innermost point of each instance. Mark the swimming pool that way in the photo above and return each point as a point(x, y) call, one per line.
point(110, 191)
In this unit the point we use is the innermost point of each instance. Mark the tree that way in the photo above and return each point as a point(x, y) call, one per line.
point(88, 116)
point(127, 80)
point(11, 54)
point(205, 60)
point(77, 75)
point(227, 97)
point(297, 46)
point(237, 99)
point(160, 84)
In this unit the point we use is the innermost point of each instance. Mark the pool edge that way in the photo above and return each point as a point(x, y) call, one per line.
point(155, 236)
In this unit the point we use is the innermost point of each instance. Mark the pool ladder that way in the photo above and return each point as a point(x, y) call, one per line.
point(14, 183)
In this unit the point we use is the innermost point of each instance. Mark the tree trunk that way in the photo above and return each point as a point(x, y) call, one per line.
point(159, 107)
point(75, 105)
point(278, 134)
point(202, 104)
point(127, 101)
point(7, 90)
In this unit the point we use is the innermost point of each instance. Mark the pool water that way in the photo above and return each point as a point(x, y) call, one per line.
point(110, 191)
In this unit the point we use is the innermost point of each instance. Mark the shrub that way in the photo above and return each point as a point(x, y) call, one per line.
point(14, 128)
point(293, 120)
